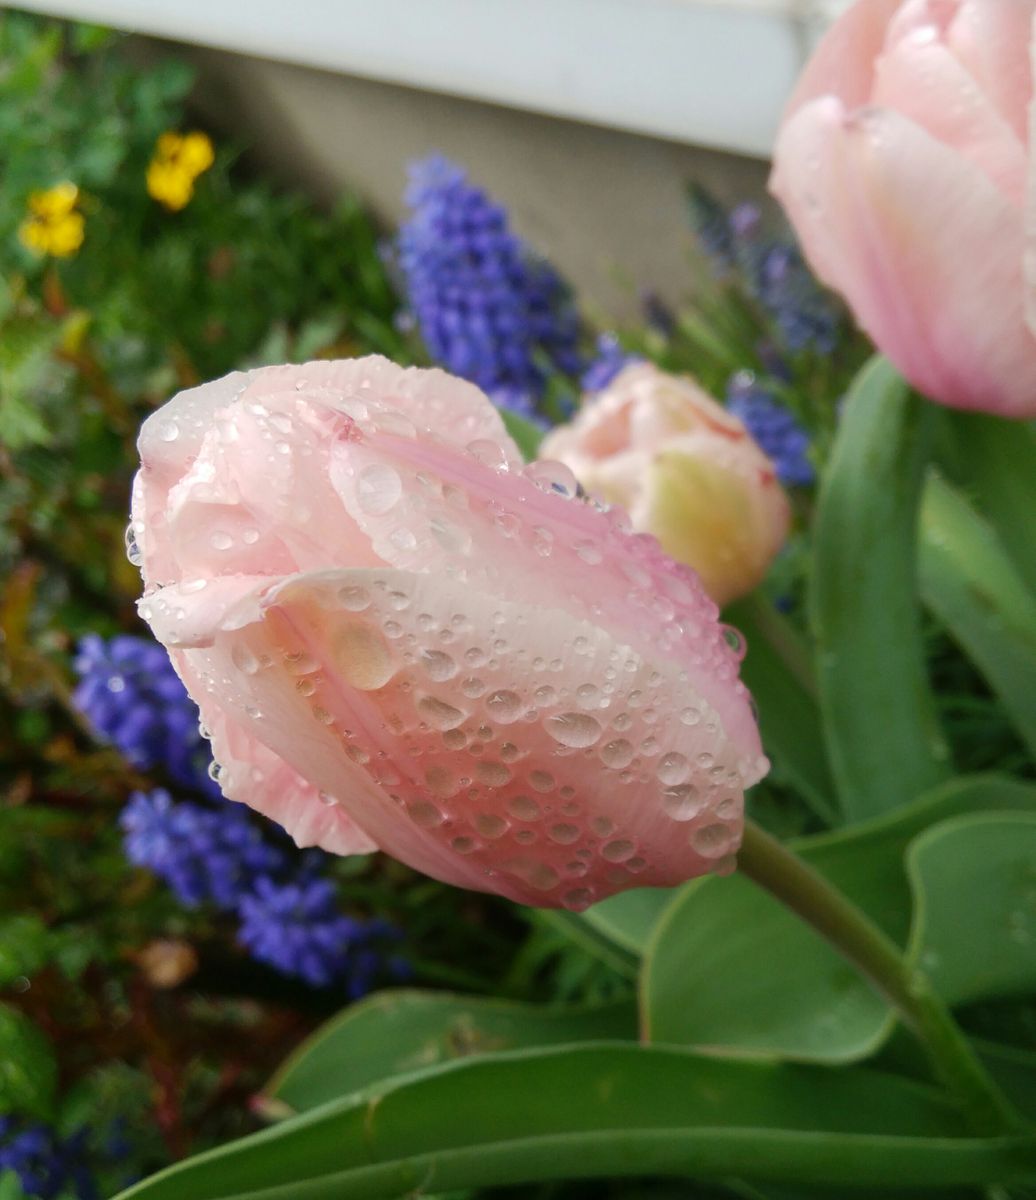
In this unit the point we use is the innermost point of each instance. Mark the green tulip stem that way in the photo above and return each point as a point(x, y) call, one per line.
point(779, 871)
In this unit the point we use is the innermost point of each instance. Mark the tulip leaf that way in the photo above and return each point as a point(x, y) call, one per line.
point(603, 1109)
point(1014, 1072)
point(995, 462)
point(396, 1032)
point(972, 586)
point(628, 918)
point(779, 675)
point(883, 740)
point(730, 968)
point(974, 879)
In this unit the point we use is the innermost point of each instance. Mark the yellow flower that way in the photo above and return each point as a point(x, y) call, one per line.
point(169, 184)
point(177, 162)
point(54, 225)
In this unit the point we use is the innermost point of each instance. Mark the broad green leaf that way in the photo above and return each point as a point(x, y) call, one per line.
point(883, 741)
point(1014, 1070)
point(396, 1032)
point(28, 1070)
point(603, 1110)
point(779, 675)
point(975, 882)
point(973, 587)
point(628, 918)
point(995, 462)
point(730, 967)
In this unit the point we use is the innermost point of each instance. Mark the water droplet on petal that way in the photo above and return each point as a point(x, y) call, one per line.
point(243, 658)
point(504, 706)
point(541, 781)
point(563, 834)
point(617, 754)
point(493, 774)
point(681, 802)
point(574, 729)
point(425, 814)
point(577, 899)
point(673, 768)
point(354, 597)
point(488, 453)
point(439, 665)
point(378, 489)
point(618, 851)
point(711, 841)
point(553, 477)
point(363, 658)
point(491, 826)
point(524, 808)
point(536, 874)
point(439, 714)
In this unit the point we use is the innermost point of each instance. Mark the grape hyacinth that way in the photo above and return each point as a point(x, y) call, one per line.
point(288, 913)
point(47, 1166)
point(608, 362)
point(774, 272)
point(133, 698)
point(202, 854)
point(296, 928)
point(487, 308)
point(776, 430)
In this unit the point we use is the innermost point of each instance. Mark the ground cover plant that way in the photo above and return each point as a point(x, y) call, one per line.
point(183, 985)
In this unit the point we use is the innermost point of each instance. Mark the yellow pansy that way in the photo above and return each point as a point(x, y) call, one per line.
point(54, 225)
point(177, 162)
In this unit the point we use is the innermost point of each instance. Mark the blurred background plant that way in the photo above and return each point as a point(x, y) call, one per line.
point(160, 948)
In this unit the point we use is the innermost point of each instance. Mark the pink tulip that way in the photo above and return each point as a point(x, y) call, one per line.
point(401, 639)
point(685, 469)
point(905, 167)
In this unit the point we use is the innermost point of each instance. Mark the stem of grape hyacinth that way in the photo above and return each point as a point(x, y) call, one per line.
point(776, 869)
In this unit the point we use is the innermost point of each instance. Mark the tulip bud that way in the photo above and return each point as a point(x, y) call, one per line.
point(400, 638)
point(686, 470)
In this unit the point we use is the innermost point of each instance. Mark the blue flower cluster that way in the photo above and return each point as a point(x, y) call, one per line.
point(47, 1166)
point(133, 698)
point(296, 928)
point(202, 853)
point(606, 364)
point(773, 427)
point(214, 852)
point(773, 270)
point(287, 911)
point(487, 308)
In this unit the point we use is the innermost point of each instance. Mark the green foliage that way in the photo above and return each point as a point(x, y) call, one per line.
point(28, 1069)
point(398, 1032)
point(728, 966)
point(879, 721)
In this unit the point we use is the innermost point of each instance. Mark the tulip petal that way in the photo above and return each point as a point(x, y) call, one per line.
point(503, 533)
point(494, 757)
point(937, 285)
point(1030, 208)
point(993, 42)
point(458, 411)
point(701, 512)
point(250, 773)
point(919, 78)
point(843, 63)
